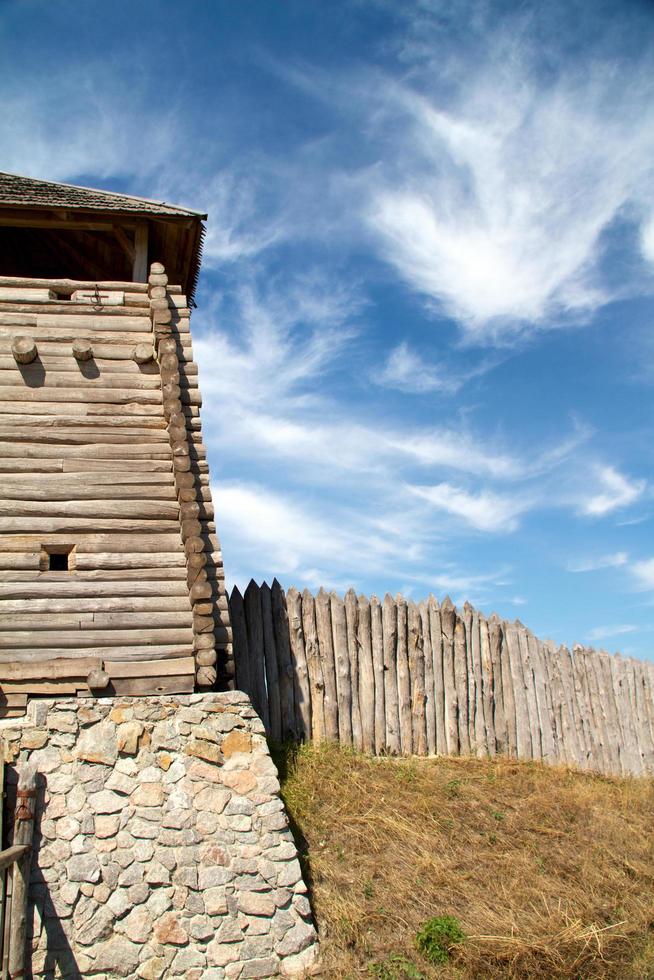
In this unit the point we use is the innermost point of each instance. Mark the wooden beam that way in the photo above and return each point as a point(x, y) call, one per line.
point(125, 243)
point(140, 266)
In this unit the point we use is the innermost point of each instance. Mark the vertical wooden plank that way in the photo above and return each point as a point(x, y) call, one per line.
point(254, 625)
point(628, 718)
point(416, 650)
point(607, 706)
point(471, 681)
point(626, 764)
point(272, 673)
point(240, 642)
point(389, 622)
point(461, 680)
point(478, 725)
point(430, 707)
point(3, 872)
point(351, 619)
point(23, 832)
point(582, 690)
point(377, 631)
point(487, 685)
point(285, 668)
point(326, 650)
point(342, 662)
point(570, 686)
point(648, 692)
point(497, 655)
point(451, 703)
point(366, 675)
point(530, 693)
point(547, 668)
point(314, 667)
point(508, 690)
point(403, 677)
point(642, 719)
point(140, 266)
point(569, 747)
point(543, 702)
point(518, 690)
point(302, 689)
point(436, 639)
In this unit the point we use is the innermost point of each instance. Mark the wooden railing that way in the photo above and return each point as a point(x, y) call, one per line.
point(395, 676)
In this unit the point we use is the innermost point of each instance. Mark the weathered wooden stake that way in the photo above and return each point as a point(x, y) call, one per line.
point(23, 833)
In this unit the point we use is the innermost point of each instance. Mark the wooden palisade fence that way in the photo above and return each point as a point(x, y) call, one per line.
point(399, 677)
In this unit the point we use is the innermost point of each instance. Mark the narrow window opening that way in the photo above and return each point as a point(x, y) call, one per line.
point(58, 563)
point(57, 558)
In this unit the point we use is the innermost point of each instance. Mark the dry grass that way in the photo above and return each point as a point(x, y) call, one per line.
point(549, 872)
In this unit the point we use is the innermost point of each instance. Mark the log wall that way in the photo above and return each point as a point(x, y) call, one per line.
point(396, 677)
point(103, 465)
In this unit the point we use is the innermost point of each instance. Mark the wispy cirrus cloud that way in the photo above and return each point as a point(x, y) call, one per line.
point(607, 632)
point(483, 510)
point(497, 187)
point(615, 491)
point(615, 560)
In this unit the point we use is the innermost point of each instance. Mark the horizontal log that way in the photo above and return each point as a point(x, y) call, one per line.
point(53, 588)
point(93, 542)
point(119, 466)
point(66, 686)
point(174, 574)
point(150, 668)
point(153, 652)
point(65, 379)
point(71, 605)
point(12, 854)
point(116, 396)
point(48, 668)
point(71, 410)
point(143, 686)
point(153, 559)
point(64, 364)
point(25, 294)
point(15, 639)
point(67, 491)
point(77, 620)
point(111, 349)
point(66, 287)
point(71, 525)
point(137, 509)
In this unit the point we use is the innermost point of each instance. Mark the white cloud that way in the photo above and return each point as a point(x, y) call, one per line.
point(615, 560)
point(492, 201)
point(606, 632)
point(617, 491)
point(485, 510)
point(407, 371)
point(643, 573)
point(647, 239)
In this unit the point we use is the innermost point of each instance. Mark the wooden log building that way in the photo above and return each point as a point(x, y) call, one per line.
point(111, 578)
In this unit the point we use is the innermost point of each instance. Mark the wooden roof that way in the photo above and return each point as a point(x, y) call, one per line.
point(45, 227)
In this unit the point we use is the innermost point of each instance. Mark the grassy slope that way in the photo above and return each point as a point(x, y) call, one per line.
point(549, 872)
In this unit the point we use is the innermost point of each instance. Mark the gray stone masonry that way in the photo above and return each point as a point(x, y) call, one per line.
point(162, 849)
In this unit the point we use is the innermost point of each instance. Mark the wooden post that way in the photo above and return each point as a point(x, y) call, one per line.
point(377, 632)
point(23, 833)
point(450, 702)
point(416, 653)
point(352, 624)
point(254, 624)
point(389, 624)
point(326, 653)
point(299, 659)
point(366, 675)
point(140, 267)
point(314, 667)
point(272, 670)
point(430, 704)
point(284, 661)
point(403, 677)
point(342, 662)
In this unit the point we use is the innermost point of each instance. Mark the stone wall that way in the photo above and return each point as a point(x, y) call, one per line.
point(162, 848)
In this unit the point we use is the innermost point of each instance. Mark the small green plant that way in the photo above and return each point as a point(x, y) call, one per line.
point(395, 967)
point(452, 787)
point(436, 937)
point(499, 816)
point(368, 888)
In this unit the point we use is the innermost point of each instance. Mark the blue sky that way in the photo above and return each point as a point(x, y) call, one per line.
point(425, 318)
